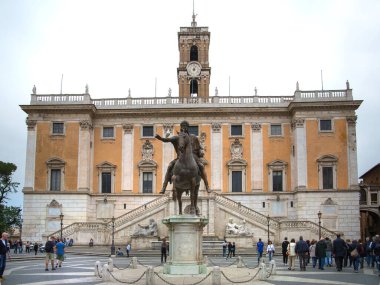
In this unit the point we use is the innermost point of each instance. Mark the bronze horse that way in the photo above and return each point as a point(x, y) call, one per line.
point(186, 174)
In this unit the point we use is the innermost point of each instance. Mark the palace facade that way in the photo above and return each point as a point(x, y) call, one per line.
point(272, 162)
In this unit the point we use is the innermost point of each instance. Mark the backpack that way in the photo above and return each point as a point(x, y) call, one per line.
point(49, 246)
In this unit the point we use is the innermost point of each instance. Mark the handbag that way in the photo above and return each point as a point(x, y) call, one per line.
point(354, 253)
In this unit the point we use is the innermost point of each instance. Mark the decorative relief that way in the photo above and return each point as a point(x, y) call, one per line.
point(216, 127)
point(236, 150)
point(202, 140)
point(30, 123)
point(256, 127)
point(352, 120)
point(329, 201)
point(128, 128)
point(147, 151)
point(298, 123)
point(54, 204)
point(168, 129)
point(85, 125)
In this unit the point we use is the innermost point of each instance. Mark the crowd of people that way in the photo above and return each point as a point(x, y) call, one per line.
point(324, 252)
point(228, 249)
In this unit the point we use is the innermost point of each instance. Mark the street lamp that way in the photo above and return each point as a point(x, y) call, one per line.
point(61, 218)
point(319, 223)
point(113, 234)
point(268, 220)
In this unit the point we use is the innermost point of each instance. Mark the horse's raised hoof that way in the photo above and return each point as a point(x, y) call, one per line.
point(208, 190)
point(162, 191)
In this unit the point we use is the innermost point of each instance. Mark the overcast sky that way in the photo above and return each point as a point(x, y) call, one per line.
point(116, 45)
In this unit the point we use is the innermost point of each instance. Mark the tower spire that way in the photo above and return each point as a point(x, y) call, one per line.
point(194, 23)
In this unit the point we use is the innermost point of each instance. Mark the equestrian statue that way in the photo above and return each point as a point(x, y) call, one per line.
point(186, 171)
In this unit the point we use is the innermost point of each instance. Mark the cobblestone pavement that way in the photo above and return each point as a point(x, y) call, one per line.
point(79, 269)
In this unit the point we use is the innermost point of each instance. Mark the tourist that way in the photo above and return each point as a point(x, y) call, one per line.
point(328, 260)
point(347, 257)
point(362, 253)
point(224, 245)
point(128, 249)
point(60, 251)
point(91, 243)
point(15, 247)
point(320, 253)
point(302, 250)
point(3, 253)
point(233, 248)
point(291, 252)
point(376, 252)
point(229, 247)
point(27, 247)
point(49, 249)
point(119, 252)
point(354, 254)
point(164, 248)
point(270, 250)
point(370, 244)
point(339, 251)
point(312, 253)
point(284, 247)
point(259, 249)
point(35, 248)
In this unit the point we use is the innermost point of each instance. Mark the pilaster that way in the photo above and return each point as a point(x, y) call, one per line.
point(127, 158)
point(84, 155)
point(257, 157)
point(300, 153)
point(352, 153)
point(30, 155)
point(216, 157)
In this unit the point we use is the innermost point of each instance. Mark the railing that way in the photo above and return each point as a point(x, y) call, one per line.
point(83, 226)
point(256, 216)
point(313, 227)
point(176, 102)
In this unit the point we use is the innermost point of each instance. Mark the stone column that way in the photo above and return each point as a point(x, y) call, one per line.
point(84, 156)
point(257, 157)
point(216, 157)
point(30, 155)
point(127, 158)
point(300, 153)
point(352, 154)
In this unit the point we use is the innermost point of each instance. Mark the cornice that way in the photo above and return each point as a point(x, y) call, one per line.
point(324, 105)
point(66, 109)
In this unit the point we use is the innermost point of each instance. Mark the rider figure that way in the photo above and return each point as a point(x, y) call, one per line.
point(197, 154)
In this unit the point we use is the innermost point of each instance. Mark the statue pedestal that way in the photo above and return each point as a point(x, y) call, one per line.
point(185, 247)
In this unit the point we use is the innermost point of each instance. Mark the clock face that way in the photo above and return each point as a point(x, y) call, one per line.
point(194, 68)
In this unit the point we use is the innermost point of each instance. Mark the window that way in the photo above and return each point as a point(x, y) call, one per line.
point(325, 125)
point(106, 177)
point(373, 198)
point(327, 168)
point(108, 132)
point(193, 88)
point(106, 182)
point(147, 131)
point(277, 180)
point(275, 130)
point(237, 181)
point(194, 53)
point(236, 130)
point(58, 129)
point(363, 197)
point(277, 175)
point(327, 173)
point(147, 182)
point(56, 174)
point(193, 130)
point(55, 180)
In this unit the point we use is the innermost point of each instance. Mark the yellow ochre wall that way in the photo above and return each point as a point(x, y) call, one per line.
point(109, 150)
point(276, 148)
point(53, 146)
point(324, 143)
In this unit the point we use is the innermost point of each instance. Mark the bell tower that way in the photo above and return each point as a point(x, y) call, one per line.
point(193, 71)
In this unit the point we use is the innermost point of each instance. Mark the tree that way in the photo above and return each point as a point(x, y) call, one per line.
point(10, 217)
point(7, 186)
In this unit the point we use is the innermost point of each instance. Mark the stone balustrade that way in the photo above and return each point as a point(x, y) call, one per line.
point(176, 102)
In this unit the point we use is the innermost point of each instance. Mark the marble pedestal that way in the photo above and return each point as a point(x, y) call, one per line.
point(185, 247)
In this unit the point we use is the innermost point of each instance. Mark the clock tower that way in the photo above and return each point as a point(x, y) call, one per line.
point(193, 71)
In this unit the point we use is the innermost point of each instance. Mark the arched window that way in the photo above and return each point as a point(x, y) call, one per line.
point(193, 87)
point(194, 53)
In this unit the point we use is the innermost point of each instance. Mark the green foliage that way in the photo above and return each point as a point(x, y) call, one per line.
point(10, 218)
point(6, 184)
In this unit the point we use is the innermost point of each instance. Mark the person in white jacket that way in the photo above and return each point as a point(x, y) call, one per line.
point(270, 250)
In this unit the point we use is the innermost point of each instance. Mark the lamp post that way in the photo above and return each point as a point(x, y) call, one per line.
point(113, 234)
point(319, 223)
point(61, 218)
point(268, 220)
